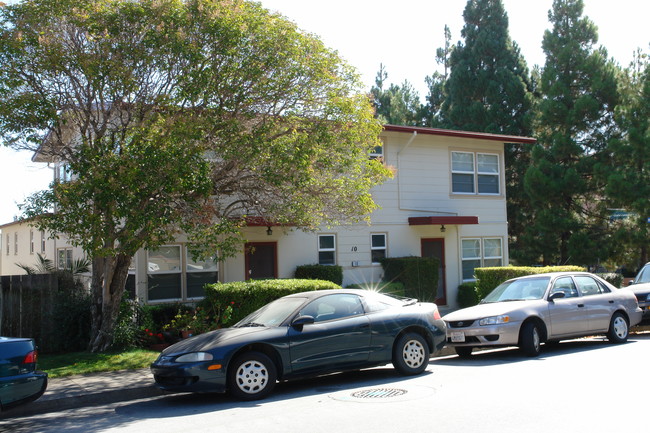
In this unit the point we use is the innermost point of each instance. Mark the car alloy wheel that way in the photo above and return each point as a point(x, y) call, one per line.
point(530, 341)
point(411, 354)
point(253, 376)
point(618, 329)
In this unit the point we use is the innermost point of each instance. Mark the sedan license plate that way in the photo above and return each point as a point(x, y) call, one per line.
point(457, 337)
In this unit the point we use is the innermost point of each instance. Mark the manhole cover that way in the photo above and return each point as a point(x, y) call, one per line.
point(383, 395)
point(379, 393)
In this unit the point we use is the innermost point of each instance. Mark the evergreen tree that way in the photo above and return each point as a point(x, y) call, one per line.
point(489, 90)
point(578, 86)
point(397, 105)
point(628, 176)
point(436, 84)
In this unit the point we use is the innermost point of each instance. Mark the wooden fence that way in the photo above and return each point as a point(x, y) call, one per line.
point(26, 303)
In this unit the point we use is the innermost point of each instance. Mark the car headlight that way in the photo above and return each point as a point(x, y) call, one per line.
point(494, 320)
point(195, 357)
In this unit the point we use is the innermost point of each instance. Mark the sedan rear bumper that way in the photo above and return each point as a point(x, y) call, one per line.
point(17, 390)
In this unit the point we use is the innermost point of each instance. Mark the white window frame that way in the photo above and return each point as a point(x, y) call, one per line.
point(189, 261)
point(378, 151)
point(31, 242)
point(175, 271)
point(42, 241)
point(373, 247)
point(476, 173)
point(327, 249)
point(15, 243)
point(8, 247)
point(481, 258)
point(64, 262)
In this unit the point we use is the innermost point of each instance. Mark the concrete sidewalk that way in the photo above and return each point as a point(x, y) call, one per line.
point(89, 390)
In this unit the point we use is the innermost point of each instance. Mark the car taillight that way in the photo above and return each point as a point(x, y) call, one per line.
point(31, 357)
point(436, 314)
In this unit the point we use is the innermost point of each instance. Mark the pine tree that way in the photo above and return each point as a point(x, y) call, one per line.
point(578, 86)
point(398, 104)
point(628, 176)
point(489, 90)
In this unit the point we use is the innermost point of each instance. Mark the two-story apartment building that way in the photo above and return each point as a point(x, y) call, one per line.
point(447, 200)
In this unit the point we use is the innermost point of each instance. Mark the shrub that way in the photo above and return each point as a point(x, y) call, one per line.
point(418, 274)
point(487, 279)
point(320, 272)
point(467, 295)
point(244, 297)
point(612, 278)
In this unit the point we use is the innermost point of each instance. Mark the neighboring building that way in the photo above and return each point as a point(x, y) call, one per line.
point(447, 200)
point(21, 244)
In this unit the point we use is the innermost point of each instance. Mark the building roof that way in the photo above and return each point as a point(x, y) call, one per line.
point(461, 134)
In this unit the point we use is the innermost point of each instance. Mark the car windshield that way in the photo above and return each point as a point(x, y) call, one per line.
point(518, 290)
point(272, 314)
point(644, 275)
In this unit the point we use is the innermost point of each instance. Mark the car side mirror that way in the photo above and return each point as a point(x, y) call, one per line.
point(629, 283)
point(556, 295)
point(301, 321)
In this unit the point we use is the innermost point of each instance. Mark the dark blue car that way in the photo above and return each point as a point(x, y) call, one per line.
point(20, 382)
point(304, 334)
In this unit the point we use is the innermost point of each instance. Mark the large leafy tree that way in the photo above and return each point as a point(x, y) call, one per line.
point(489, 90)
point(578, 87)
point(628, 175)
point(178, 115)
point(436, 83)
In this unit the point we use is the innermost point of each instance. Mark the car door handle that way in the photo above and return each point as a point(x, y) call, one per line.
point(367, 325)
point(611, 302)
point(581, 305)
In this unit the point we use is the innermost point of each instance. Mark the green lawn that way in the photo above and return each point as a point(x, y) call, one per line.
point(68, 364)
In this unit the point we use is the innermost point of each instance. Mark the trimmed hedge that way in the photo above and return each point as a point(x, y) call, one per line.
point(487, 279)
point(467, 295)
point(418, 274)
point(320, 272)
point(244, 297)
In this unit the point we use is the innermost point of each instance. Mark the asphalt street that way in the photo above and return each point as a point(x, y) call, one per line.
point(588, 385)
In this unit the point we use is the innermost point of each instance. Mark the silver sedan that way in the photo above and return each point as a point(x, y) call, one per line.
point(531, 310)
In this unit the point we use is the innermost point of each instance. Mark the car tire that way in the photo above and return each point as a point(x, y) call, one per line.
point(411, 354)
point(463, 351)
point(619, 329)
point(252, 376)
point(530, 339)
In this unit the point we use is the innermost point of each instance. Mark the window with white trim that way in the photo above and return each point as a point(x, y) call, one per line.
point(42, 241)
point(31, 242)
point(164, 273)
point(377, 152)
point(16, 243)
point(64, 258)
point(377, 247)
point(480, 252)
point(199, 273)
point(62, 173)
point(326, 249)
point(475, 173)
point(7, 246)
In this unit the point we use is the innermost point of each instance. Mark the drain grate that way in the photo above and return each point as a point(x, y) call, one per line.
point(379, 393)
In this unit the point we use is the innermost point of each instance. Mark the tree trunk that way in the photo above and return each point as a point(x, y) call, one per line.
point(108, 282)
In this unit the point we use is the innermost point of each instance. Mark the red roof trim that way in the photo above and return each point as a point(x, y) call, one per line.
point(461, 134)
point(435, 220)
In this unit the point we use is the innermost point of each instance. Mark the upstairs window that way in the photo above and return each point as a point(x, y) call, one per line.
point(475, 173)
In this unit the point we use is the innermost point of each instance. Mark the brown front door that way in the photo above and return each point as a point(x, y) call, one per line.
point(261, 260)
point(436, 248)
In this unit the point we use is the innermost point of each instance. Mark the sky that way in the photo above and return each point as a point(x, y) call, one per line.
point(401, 35)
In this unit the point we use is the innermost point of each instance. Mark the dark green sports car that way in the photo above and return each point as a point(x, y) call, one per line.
point(304, 334)
point(20, 382)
